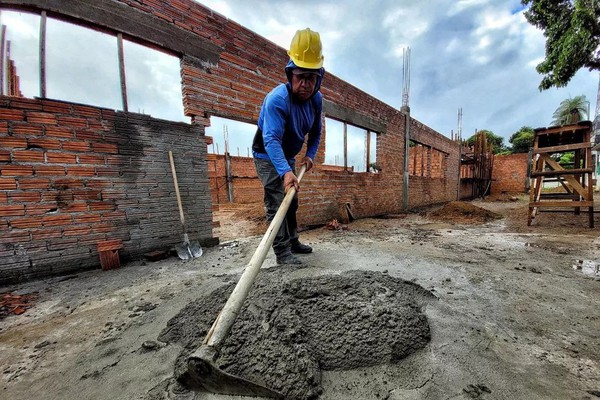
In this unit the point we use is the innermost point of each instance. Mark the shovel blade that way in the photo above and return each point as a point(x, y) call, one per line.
point(183, 251)
point(195, 249)
point(202, 373)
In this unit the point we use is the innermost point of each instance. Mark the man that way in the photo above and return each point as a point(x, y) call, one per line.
point(289, 113)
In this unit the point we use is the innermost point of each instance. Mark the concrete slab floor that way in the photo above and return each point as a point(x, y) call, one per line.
point(515, 316)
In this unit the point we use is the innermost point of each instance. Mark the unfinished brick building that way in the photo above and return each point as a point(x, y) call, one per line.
point(73, 175)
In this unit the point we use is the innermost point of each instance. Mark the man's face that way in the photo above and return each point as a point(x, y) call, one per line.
point(303, 83)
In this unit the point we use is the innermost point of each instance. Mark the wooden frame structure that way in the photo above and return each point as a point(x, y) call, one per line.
point(576, 179)
point(476, 166)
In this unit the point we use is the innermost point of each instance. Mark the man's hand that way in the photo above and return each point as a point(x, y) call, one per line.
point(289, 181)
point(308, 162)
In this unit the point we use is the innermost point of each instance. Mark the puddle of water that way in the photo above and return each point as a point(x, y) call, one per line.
point(588, 267)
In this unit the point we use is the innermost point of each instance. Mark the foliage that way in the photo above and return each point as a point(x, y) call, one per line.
point(522, 140)
point(496, 141)
point(572, 32)
point(571, 111)
point(565, 159)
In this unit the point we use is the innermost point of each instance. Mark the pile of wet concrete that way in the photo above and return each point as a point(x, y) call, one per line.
point(290, 330)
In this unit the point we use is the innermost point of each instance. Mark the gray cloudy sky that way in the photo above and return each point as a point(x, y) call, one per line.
point(478, 55)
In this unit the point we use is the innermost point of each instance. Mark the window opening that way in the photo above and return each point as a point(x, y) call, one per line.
point(350, 146)
point(234, 135)
point(82, 65)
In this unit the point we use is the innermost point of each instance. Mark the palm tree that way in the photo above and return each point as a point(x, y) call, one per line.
point(571, 111)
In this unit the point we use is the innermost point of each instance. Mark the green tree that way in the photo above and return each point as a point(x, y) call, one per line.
point(496, 141)
point(572, 31)
point(522, 140)
point(571, 111)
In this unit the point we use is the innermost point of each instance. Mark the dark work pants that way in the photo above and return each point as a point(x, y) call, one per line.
point(274, 194)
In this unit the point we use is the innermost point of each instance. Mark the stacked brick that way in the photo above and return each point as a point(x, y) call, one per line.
point(72, 176)
point(509, 174)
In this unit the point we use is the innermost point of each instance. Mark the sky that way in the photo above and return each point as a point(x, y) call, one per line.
point(474, 55)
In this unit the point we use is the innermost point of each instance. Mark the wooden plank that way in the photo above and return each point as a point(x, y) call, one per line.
point(43, 55)
point(571, 180)
point(122, 71)
point(563, 172)
point(568, 204)
point(566, 128)
point(563, 148)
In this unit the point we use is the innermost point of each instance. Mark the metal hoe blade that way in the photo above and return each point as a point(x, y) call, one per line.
point(204, 374)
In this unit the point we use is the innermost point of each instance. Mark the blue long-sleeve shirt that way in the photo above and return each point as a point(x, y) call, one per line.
point(284, 123)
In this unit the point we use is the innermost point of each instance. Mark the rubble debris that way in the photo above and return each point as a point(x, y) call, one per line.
point(334, 225)
point(16, 304)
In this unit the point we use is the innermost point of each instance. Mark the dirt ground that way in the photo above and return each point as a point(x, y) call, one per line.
point(508, 311)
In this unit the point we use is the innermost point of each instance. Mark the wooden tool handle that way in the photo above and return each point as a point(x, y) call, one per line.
point(222, 325)
point(176, 188)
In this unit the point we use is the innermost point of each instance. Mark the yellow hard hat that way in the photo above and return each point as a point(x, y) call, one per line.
point(305, 49)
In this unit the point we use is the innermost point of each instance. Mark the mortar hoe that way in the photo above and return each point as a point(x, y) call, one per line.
point(203, 371)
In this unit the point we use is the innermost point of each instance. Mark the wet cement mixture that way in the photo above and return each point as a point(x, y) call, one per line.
point(410, 306)
point(288, 330)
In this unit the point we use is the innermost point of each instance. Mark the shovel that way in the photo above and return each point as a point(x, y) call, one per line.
point(185, 250)
point(202, 370)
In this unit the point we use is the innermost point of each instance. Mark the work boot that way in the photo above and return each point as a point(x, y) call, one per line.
point(300, 248)
point(288, 259)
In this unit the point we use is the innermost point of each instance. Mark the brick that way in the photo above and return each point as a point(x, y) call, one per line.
point(57, 107)
point(18, 236)
point(68, 183)
point(49, 170)
point(61, 243)
point(99, 183)
point(89, 135)
point(25, 129)
point(4, 156)
point(74, 122)
point(57, 220)
point(28, 156)
point(33, 183)
point(24, 103)
point(12, 210)
point(16, 170)
point(8, 183)
point(76, 207)
point(13, 142)
point(77, 230)
point(40, 209)
point(76, 146)
point(45, 233)
point(87, 111)
point(25, 223)
point(87, 218)
point(87, 194)
point(3, 198)
point(58, 132)
point(11, 115)
point(35, 117)
point(107, 171)
point(81, 171)
point(108, 148)
point(44, 143)
point(61, 158)
point(101, 205)
point(91, 159)
point(24, 197)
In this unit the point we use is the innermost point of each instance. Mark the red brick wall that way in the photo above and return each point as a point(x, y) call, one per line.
point(72, 176)
point(509, 174)
point(106, 175)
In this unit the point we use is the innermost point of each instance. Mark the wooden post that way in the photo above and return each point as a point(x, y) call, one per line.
point(43, 55)
point(122, 71)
